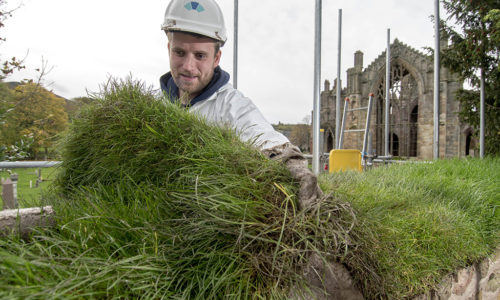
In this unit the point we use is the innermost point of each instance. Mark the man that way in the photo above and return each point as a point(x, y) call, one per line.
point(196, 32)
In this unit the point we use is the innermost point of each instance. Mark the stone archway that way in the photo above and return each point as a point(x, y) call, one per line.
point(469, 142)
point(329, 142)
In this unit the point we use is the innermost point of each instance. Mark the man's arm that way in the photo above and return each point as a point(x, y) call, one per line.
point(231, 107)
point(247, 118)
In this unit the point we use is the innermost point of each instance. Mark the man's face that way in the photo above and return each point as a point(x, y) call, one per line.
point(192, 62)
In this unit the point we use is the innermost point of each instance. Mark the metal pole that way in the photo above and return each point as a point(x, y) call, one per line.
point(317, 76)
point(481, 118)
point(341, 139)
point(387, 87)
point(235, 46)
point(339, 87)
point(28, 164)
point(436, 79)
point(367, 127)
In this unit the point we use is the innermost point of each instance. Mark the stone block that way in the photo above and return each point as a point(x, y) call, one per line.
point(23, 221)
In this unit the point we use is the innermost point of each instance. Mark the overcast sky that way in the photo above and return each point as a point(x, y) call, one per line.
point(85, 42)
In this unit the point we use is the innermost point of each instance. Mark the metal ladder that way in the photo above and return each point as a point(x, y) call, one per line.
point(367, 126)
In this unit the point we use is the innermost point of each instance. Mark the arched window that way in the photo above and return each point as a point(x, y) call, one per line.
point(413, 131)
point(468, 140)
point(403, 114)
point(395, 145)
point(329, 142)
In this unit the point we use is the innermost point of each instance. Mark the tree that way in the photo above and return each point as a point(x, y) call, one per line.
point(37, 113)
point(5, 100)
point(74, 105)
point(7, 67)
point(475, 47)
point(301, 136)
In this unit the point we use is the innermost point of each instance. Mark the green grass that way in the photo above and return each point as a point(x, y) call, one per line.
point(152, 202)
point(30, 196)
point(419, 222)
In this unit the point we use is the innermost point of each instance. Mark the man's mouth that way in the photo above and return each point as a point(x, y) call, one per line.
point(188, 77)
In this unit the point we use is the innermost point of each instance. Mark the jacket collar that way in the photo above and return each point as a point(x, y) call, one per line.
point(169, 87)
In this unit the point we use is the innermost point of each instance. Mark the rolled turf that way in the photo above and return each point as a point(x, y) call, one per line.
point(153, 202)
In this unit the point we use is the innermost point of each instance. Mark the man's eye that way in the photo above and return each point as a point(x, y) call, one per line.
point(201, 55)
point(179, 53)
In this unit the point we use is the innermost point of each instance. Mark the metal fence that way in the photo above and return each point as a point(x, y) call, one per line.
point(9, 186)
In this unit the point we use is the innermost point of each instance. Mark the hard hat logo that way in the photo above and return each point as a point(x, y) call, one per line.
point(194, 6)
point(187, 16)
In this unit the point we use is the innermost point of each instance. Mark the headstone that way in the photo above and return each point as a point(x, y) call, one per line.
point(8, 194)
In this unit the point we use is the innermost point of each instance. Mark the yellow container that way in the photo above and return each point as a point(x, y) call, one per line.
point(345, 159)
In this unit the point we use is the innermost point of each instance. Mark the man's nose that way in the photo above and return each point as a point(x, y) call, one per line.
point(189, 63)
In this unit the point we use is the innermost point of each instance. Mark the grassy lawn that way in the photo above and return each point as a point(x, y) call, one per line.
point(419, 222)
point(30, 196)
point(155, 204)
point(415, 222)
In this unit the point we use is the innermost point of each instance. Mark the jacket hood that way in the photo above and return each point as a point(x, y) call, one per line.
point(219, 79)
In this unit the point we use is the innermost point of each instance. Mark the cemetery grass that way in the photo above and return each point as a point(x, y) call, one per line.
point(31, 196)
point(419, 222)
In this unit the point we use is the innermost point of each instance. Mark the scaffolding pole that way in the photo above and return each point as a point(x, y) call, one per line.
point(367, 126)
point(436, 79)
point(342, 130)
point(317, 76)
point(235, 46)
point(339, 87)
point(387, 88)
point(481, 117)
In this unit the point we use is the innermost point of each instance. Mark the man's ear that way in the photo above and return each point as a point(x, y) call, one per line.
point(217, 59)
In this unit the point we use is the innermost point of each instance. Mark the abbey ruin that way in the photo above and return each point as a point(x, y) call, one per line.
point(411, 112)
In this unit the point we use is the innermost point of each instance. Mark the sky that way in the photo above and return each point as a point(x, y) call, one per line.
point(83, 43)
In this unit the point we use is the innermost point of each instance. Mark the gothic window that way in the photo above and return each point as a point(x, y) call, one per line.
point(413, 131)
point(395, 145)
point(468, 140)
point(403, 112)
point(329, 142)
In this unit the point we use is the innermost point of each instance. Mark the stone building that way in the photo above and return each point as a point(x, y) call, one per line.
point(411, 112)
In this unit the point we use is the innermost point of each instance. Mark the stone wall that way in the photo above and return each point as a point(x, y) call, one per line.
point(24, 220)
point(480, 281)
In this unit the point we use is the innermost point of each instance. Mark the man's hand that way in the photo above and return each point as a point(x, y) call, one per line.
point(296, 163)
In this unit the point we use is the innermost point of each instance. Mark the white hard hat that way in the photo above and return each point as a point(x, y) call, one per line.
point(203, 17)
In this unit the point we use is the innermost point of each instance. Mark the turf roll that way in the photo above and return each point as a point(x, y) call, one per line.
point(154, 202)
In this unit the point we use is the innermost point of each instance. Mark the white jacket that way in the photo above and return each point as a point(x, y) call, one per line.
point(229, 106)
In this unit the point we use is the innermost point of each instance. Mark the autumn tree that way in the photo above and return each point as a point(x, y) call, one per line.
point(475, 46)
point(5, 99)
point(37, 113)
point(301, 136)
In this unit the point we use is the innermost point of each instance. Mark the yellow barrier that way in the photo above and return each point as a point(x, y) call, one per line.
point(345, 159)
